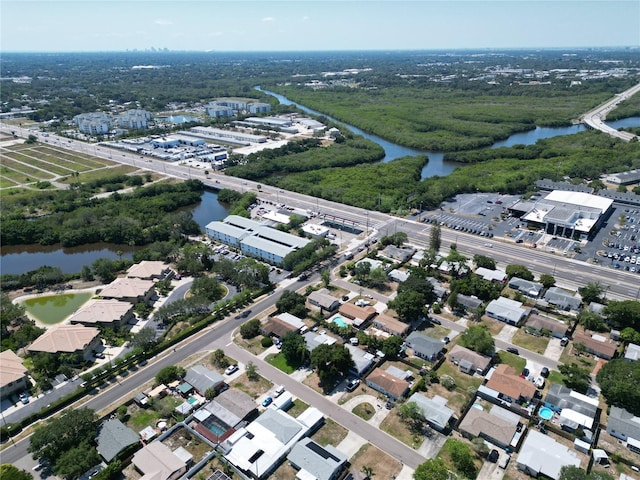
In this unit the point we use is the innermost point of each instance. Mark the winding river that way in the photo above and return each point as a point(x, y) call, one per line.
point(436, 164)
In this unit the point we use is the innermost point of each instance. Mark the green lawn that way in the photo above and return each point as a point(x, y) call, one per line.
point(530, 342)
point(53, 309)
point(280, 363)
point(510, 359)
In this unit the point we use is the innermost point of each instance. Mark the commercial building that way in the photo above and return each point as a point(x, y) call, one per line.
point(255, 239)
point(134, 118)
point(96, 123)
point(624, 178)
point(227, 136)
point(565, 213)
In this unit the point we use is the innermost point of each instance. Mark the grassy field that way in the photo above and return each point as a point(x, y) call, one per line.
point(530, 342)
point(383, 465)
point(330, 433)
point(364, 410)
point(280, 363)
point(518, 363)
point(397, 428)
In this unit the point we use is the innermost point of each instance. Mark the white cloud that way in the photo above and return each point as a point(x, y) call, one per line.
point(162, 21)
point(306, 18)
point(268, 19)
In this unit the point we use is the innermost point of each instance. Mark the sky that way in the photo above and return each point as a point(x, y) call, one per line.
point(314, 25)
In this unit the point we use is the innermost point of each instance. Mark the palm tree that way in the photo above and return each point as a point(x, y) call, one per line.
point(368, 471)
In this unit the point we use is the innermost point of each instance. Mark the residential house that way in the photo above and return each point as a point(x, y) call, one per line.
point(562, 299)
point(597, 345)
point(113, 437)
point(359, 315)
point(469, 361)
point(625, 426)
point(398, 275)
point(541, 455)
point(314, 340)
point(315, 462)
point(149, 270)
point(506, 310)
point(132, 290)
point(323, 300)
point(202, 379)
point(362, 360)
point(156, 461)
point(104, 313)
point(373, 264)
point(218, 419)
point(425, 347)
point(13, 374)
point(632, 353)
point(468, 303)
point(575, 409)
point(276, 327)
point(491, 275)
point(439, 291)
point(61, 338)
point(258, 448)
point(390, 325)
point(400, 254)
point(597, 308)
point(541, 323)
point(434, 411)
point(526, 287)
point(511, 387)
point(387, 384)
point(498, 426)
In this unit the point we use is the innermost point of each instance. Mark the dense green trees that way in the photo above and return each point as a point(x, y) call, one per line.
point(250, 329)
point(618, 380)
point(75, 218)
point(575, 377)
point(591, 292)
point(432, 469)
point(519, 271)
point(625, 313)
point(66, 442)
point(10, 472)
point(292, 302)
point(331, 362)
point(169, 374)
point(479, 339)
point(207, 287)
point(294, 348)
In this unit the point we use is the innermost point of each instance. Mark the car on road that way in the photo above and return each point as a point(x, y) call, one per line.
point(267, 401)
point(244, 314)
point(231, 369)
point(435, 321)
point(493, 456)
point(513, 350)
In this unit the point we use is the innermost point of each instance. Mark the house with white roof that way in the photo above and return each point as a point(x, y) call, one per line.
point(362, 360)
point(541, 455)
point(632, 353)
point(506, 310)
point(258, 448)
point(434, 410)
point(315, 462)
point(491, 275)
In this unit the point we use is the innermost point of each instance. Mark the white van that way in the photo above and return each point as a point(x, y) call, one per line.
point(279, 391)
point(504, 461)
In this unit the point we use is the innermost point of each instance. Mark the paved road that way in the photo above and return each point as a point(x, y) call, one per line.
point(596, 117)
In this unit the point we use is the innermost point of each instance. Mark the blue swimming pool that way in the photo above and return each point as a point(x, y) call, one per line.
point(340, 322)
point(546, 413)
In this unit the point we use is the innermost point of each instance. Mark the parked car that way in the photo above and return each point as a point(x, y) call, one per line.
point(544, 372)
point(267, 401)
point(353, 384)
point(231, 369)
point(564, 341)
point(525, 373)
point(513, 350)
point(539, 383)
point(279, 391)
point(435, 321)
point(493, 456)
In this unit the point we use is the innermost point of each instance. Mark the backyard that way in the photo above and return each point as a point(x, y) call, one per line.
point(534, 343)
point(383, 465)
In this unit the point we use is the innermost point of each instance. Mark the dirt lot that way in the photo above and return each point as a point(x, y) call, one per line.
point(383, 465)
point(253, 388)
point(191, 443)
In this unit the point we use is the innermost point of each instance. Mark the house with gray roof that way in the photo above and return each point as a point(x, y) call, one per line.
point(315, 461)
point(542, 455)
point(362, 360)
point(401, 254)
point(232, 406)
point(491, 275)
point(424, 347)
point(113, 437)
point(202, 379)
point(506, 310)
point(526, 287)
point(498, 426)
point(434, 410)
point(541, 323)
point(575, 409)
point(313, 340)
point(633, 353)
point(323, 300)
point(438, 289)
point(626, 426)
point(468, 302)
point(469, 361)
point(562, 299)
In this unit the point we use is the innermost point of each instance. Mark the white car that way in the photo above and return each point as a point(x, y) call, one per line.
point(539, 383)
point(231, 369)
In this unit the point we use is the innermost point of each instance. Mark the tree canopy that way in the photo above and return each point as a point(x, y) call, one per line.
point(65, 442)
point(292, 302)
point(619, 380)
point(432, 469)
point(478, 338)
point(331, 362)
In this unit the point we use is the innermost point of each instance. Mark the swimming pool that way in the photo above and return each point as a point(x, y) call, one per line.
point(193, 400)
point(546, 413)
point(215, 427)
point(339, 321)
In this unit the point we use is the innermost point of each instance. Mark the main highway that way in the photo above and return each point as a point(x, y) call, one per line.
point(569, 273)
point(595, 118)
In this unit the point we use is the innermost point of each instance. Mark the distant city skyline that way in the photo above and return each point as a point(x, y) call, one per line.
point(315, 25)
